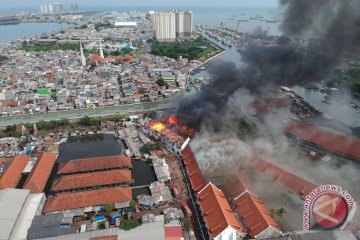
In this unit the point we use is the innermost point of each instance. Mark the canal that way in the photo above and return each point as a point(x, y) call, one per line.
point(75, 114)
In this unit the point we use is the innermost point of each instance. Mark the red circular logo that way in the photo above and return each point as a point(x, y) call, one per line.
point(329, 210)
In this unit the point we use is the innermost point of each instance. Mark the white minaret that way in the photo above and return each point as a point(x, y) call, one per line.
point(83, 60)
point(101, 51)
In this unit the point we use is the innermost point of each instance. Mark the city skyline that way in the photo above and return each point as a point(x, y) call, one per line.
point(155, 3)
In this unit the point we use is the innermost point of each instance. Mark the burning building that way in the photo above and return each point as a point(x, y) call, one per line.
point(169, 132)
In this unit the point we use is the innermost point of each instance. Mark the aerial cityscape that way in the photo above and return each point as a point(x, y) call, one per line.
point(210, 121)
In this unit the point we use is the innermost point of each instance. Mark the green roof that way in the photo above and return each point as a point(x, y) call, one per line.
point(43, 91)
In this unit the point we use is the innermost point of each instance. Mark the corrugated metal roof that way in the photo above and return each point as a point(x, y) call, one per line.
point(32, 207)
point(11, 204)
point(48, 225)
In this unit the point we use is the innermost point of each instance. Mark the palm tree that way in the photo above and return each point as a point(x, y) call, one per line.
point(280, 213)
point(273, 212)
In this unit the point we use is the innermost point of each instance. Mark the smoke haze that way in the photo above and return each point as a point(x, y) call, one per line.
point(336, 26)
point(216, 110)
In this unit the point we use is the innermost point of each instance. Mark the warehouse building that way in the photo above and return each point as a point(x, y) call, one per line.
point(12, 174)
point(17, 210)
point(87, 201)
point(87, 181)
point(88, 165)
point(39, 175)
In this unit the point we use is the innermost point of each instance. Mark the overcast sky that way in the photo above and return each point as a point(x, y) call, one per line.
point(147, 3)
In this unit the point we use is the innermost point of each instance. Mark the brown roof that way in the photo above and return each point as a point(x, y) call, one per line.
point(216, 211)
point(84, 180)
point(254, 215)
point(95, 58)
point(290, 181)
point(94, 164)
point(40, 173)
point(2, 160)
point(192, 168)
point(326, 140)
point(235, 187)
point(12, 173)
point(67, 201)
point(113, 237)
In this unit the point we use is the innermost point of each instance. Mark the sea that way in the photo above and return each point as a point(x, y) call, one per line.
point(250, 19)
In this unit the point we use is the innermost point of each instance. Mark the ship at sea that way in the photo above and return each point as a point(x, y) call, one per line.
point(9, 20)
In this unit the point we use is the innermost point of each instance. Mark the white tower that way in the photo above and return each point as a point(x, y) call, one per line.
point(101, 51)
point(83, 60)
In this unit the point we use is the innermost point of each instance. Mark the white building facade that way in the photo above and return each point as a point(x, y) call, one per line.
point(165, 26)
point(184, 23)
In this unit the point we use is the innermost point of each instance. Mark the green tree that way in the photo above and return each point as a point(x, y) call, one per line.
point(108, 207)
point(149, 147)
point(17, 134)
point(132, 204)
point(129, 224)
point(161, 82)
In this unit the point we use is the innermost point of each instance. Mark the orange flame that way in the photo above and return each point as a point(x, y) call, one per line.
point(159, 126)
point(173, 120)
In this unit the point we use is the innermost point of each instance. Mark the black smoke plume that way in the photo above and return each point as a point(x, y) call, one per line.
point(334, 23)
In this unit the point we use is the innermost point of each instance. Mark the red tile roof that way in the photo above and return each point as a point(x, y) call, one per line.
point(12, 173)
point(113, 237)
point(192, 168)
point(40, 173)
point(216, 211)
point(67, 201)
point(94, 164)
point(2, 160)
point(95, 58)
point(84, 180)
point(290, 181)
point(173, 233)
point(254, 215)
point(329, 141)
point(235, 187)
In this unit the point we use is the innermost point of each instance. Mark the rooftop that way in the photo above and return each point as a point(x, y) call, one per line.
point(12, 173)
point(11, 203)
point(67, 201)
point(94, 164)
point(254, 215)
point(326, 140)
point(290, 181)
point(216, 211)
point(85, 180)
point(40, 173)
point(192, 168)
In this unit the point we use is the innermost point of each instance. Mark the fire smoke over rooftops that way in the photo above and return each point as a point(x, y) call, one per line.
point(336, 23)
